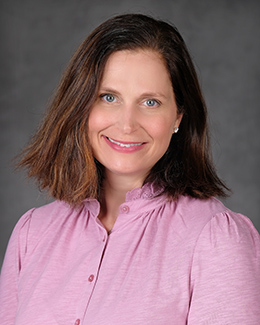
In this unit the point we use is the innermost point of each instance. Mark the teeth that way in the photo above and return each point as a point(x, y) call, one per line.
point(125, 145)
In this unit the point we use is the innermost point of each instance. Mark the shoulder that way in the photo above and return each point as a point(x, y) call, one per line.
point(58, 212)
point(216, 227)
point(34, 223)
point(203, 208)
point(209, 210)
point(47, 214)
point(29, 228)
point(41, 217)
point(225, 265)
point(56, 217)
point(194, 213)
point(50, 220)
point(212, 219)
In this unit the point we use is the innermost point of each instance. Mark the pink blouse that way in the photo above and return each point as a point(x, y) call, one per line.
point(166, 262)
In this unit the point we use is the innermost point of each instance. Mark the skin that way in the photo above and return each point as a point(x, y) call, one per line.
point(131, 123)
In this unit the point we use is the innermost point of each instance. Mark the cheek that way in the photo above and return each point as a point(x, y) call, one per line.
point(162, 129)
point(100, 119)
point(92, 128)
point(95, 122)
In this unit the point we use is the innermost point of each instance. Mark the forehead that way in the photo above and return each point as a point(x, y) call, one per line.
point(139, 54)
point(140, 65)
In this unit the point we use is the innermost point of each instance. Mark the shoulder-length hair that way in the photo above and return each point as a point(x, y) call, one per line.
point(60, 156)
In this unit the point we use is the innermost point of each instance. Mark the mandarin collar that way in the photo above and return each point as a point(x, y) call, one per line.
point(138, 198)
point(147, 191)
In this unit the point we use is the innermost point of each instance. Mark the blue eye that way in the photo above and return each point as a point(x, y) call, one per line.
point(151, 102)
point(108, 98)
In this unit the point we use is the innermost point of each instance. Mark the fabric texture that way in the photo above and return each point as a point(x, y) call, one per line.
point(180, 262)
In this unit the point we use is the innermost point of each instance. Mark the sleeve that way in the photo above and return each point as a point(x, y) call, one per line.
point(225, 276)
point(11, 267)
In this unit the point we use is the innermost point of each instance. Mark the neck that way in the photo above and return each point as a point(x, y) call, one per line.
point(113, 195)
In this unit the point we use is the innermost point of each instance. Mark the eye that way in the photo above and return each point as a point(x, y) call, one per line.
point(108, 98)
point(152, 103)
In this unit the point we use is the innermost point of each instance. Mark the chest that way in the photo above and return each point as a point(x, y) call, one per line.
point(116, 279)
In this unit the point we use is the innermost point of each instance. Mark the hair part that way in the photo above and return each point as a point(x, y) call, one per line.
point(60, 156)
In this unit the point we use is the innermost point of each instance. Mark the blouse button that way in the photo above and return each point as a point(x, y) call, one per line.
point(77, 322)
point(91, 278)
point(125, 209)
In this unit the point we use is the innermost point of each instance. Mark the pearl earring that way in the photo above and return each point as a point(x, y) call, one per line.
point(176, 130)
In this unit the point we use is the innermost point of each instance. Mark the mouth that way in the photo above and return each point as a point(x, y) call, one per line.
point(125, 144)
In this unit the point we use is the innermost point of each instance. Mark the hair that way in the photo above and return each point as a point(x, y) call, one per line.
point(59, 155)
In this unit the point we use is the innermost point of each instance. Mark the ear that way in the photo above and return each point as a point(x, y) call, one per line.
point(177, 123)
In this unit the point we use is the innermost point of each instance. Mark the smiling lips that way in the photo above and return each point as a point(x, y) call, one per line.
point(124, 146)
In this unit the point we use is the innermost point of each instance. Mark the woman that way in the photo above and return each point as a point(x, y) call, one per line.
point(136, 235)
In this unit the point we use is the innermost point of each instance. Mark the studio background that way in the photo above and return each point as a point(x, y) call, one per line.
point(38, 37)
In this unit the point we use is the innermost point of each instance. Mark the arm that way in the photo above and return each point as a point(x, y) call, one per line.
point(225, 276)
point(15, 253)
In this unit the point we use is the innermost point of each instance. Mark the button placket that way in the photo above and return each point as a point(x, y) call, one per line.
point(124, 209)
point(92, 274)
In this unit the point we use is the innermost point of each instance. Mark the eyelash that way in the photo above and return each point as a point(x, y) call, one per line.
point(156, 102)
point(102, 96)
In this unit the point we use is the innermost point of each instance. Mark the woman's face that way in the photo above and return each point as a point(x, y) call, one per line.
point(132, 121)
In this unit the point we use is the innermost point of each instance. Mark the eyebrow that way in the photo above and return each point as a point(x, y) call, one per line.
point(109, 90)
point(146, 94)
point(151, 94)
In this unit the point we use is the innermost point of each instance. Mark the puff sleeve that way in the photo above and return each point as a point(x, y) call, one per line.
point(10, 271)
point(225, 276)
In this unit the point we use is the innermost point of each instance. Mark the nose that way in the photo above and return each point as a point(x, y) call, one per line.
point(128, 120)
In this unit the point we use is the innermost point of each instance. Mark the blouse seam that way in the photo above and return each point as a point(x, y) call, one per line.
point(197, 240)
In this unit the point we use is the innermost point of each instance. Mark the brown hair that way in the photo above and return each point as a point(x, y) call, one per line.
point(59, 155)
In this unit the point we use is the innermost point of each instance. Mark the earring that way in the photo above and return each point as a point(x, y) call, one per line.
point(176, 130)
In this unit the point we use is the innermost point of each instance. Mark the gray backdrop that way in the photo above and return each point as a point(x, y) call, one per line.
point(39, 36)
